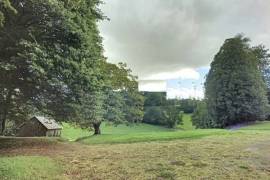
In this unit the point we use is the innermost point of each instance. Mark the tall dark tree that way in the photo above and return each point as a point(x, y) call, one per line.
point(262, 53)
point(234, 90)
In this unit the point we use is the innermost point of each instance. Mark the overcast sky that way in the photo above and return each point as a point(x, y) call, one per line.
point(169, 44)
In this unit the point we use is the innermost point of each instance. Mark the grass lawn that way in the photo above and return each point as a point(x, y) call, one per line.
point(235, 155)
point(73, 133)
point(27, 167)
point(145, 132)
point(265, 125)
point(136, 133)
point(132, 129)
point(187, 123)
point(150, 136)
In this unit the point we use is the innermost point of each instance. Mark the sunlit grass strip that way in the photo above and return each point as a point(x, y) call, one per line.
point(154, 136)
point(28, 167)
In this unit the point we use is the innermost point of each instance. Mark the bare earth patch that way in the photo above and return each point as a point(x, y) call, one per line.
point(216, 157)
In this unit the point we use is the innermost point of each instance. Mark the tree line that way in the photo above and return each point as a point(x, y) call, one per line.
point(158, 110)
point(52, 64)
point(237, 87)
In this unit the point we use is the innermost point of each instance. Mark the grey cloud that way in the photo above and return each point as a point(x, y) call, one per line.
point(156, 36)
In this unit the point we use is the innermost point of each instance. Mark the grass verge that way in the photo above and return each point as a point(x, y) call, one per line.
point(264, 125)
point(28, 167)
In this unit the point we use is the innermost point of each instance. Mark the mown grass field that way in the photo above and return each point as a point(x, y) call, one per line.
point(73, 133)
point(141, 152)
point(258, 126)
point(125, 133)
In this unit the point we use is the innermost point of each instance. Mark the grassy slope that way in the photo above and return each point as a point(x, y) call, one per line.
point(187, 123)
point(136, 133)
point(258, 126)
point(25, 167)
point(72, 133)
point(150, 136)
point(146, 133)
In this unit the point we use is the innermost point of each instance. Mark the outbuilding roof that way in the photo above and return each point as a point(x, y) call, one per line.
point(48, 122)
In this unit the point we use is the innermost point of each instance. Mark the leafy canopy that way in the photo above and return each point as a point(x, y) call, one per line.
point(234, 90)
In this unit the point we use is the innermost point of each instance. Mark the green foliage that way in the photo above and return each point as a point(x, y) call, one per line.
point(118, 101)
point(153, 108)
point(173, 114)
point(200, 117)
point(154, 98)
point(234, 89)
point(153, 115)
point(133, 109)
point(114, 107)
point(90, 111)
point(124, 101)
point(167, 115)
point(264, 63)
point(50, 51)
point(160, 111)
point(187, 105)
point(5, 6)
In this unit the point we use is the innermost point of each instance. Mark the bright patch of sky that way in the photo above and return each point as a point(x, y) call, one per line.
point(188, 88)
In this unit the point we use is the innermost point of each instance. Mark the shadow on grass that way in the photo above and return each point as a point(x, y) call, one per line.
point(18, 142)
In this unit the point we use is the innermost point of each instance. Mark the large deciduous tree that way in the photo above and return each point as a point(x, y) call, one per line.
point(49, 55)
point(234, 90)
point(118, 101)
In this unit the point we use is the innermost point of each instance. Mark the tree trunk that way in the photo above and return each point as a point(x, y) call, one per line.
point(3, 116)
point(3, 124)
point(97, 128)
